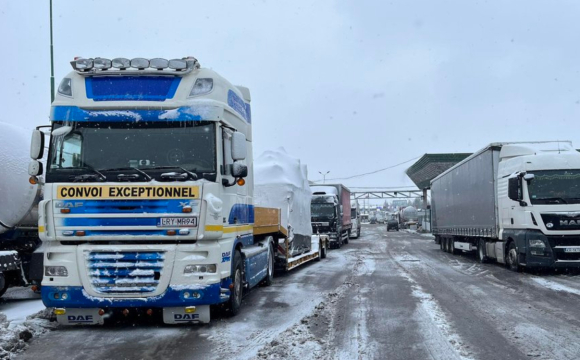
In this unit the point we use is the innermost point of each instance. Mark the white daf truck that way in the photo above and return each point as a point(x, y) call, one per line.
point(148, 194)
point(517, 203)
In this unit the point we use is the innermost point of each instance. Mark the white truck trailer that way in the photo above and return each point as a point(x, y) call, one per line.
point(148, 194)
point(517, 203)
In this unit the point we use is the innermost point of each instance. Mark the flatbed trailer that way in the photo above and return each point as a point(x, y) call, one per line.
point(268, 222)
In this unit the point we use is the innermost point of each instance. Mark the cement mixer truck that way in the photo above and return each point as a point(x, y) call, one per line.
point(19, 265)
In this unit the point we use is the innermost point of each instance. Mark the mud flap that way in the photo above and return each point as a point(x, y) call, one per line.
point(81, 317)
point(178, 315)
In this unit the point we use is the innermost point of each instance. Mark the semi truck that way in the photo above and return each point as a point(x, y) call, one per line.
point(330, 212)
point(516, 203)
point(20, 265)
point(148, 194)
point(356, 219)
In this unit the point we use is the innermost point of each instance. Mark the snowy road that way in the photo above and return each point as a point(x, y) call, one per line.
point(384, 296)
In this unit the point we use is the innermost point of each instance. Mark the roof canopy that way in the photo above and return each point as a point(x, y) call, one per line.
point(429, 166)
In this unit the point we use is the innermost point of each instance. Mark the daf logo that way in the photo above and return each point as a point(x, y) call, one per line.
point(60, 205)
point(570, 222)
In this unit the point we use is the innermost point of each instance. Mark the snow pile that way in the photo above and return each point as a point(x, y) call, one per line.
point(15, 335)
point(14, 186)
point(281, 181)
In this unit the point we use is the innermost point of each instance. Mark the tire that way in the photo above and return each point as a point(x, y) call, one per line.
point(324, 250)
point(338, 244)
point(3, 284)
point(448, 245)
point(481, 256)
point(442, 244)
point(347, 237)
point(270, 274)
point(452, 248)
point(512, 258)
point(235, 301)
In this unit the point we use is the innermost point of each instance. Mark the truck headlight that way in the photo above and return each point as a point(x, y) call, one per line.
point(537, 243)
point(55, 271)
point(200, 269)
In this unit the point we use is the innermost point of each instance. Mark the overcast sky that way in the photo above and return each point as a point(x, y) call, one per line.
point(347, 86)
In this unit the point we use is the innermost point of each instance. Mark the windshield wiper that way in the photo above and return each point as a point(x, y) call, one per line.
point(192, 174)
point(89, 177)
point(553, 199)
point(145, 175)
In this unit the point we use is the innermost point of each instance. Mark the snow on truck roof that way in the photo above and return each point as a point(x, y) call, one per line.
point(148, 90)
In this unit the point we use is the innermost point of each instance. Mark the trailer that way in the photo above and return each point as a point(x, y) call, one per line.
point(516, 203)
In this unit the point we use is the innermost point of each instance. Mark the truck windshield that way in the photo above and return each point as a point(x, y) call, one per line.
point(353, 213)
point(322, 210)
point(95, 147)
point(555, 187)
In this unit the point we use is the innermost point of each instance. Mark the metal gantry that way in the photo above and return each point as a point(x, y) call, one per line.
point(387, 194)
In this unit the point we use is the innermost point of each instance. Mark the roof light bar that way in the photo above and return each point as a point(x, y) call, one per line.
point(94, 67)
point(159, 63)
point(140, 63)
point(101, 64)
point(177, 64)
point(121, 63)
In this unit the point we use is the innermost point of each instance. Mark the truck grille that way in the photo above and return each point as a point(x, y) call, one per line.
point(125, 272)
point(564, 241)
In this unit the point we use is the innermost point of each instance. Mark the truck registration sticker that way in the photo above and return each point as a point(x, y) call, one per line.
point(178, 221)
point(572, 250)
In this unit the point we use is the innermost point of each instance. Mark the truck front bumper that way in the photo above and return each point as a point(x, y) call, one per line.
point(174, 296)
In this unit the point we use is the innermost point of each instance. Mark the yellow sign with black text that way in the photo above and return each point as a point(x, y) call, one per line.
point(114, 192)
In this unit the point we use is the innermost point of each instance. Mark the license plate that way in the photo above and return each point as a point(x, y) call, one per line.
point(572, 250)
point(178, 221)
point(80, 317)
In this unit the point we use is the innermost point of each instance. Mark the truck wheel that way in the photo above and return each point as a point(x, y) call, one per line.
point(481, 257)
point(3, 284)
point(323, 250)
point(270, 274)
point(452, 248)
point(339, 243)
point(442, 244)
point(512, 258)
point(235, 302)
point(347, 237)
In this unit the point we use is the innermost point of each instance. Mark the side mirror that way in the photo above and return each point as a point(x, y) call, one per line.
point(238, 146)
point(514, 189)
point(35, 168)
point(239, 170)
point(529, 177)
point(37, 145)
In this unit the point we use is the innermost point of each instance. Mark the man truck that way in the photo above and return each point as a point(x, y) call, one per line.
point(330, 212)
point(148, 194)
point(516, 203)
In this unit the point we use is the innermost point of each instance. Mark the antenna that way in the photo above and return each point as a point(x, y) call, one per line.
point(558, 146)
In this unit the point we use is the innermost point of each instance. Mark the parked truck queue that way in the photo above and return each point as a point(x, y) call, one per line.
point(111, 225)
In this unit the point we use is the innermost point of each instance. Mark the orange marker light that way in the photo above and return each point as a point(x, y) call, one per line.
point(241, 182)
point(33, 180)
point(187, 209)
point(101, 312)
point(80, 233)
point(149, 312)
point(65, 211)
point(171, 232)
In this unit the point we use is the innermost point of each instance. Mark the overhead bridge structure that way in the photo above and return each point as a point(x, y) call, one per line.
point(386, 194)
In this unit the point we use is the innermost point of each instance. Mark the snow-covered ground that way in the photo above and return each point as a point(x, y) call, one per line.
point(22, 317)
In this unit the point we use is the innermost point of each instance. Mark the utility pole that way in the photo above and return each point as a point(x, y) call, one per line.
point(51, 59)
point(324, 176)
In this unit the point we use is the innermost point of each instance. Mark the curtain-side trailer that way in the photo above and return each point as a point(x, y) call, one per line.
point(517, 203)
